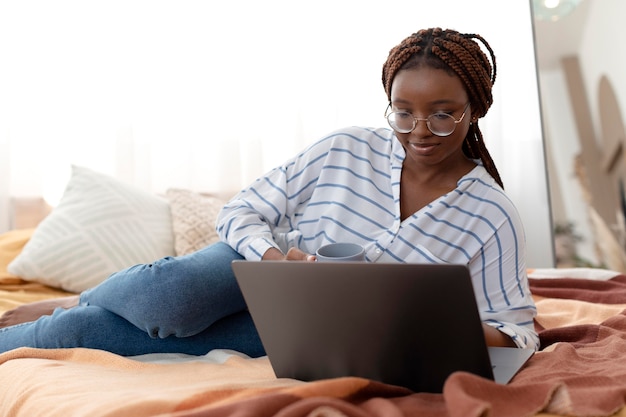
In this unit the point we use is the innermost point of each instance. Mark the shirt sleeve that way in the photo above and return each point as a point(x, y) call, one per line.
point(501, 283)
point(244, 222)
point(261, 216)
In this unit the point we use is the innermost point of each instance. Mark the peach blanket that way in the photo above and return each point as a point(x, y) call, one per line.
point(579, 372)
point(13, 290)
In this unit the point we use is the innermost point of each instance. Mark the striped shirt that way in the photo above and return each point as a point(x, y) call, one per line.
point(346, 188)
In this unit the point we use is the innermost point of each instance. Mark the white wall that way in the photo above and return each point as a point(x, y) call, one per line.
point(603, 52)
point(139, 88)
point(562, 140)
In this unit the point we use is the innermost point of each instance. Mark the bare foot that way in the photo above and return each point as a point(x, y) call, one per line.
point(32, 311)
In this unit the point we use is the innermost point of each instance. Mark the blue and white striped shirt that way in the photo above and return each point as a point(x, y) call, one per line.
point(346, 188)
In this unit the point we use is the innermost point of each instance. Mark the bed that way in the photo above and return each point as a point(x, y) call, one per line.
point(579, 371)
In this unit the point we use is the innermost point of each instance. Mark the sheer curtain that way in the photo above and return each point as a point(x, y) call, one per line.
point(208, 95)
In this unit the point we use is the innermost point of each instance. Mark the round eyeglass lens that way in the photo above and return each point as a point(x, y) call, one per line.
point(401, 121)
point(441, 124)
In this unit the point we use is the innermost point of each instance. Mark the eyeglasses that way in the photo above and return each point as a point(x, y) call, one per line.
point(440, 123)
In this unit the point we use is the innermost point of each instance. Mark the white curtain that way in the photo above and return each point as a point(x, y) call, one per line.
point(207, 95)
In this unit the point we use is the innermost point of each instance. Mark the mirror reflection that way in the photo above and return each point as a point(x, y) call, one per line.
point(583, 91)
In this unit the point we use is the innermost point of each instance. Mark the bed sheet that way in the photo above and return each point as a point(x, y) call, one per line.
point(580, 371)
point(15, 291)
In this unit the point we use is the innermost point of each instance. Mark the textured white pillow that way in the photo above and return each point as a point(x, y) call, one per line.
point(100, 226)
point(193, 219)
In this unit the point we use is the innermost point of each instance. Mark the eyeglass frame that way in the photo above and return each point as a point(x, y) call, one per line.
point(418, 119)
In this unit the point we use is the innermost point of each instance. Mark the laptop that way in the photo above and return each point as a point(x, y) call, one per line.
point(410, 325)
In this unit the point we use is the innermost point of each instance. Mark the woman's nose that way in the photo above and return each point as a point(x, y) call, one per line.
point(421, 128)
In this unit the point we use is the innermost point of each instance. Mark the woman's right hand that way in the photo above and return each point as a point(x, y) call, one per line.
point(293, 254)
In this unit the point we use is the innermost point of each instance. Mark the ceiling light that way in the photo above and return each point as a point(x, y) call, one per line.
point(553, 10)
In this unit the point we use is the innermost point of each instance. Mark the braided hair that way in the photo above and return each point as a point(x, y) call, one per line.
point(458, 54)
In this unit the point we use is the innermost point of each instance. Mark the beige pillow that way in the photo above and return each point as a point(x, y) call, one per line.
point(100, 226)
point(193, 219)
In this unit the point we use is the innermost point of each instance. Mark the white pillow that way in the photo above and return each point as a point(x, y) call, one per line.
point(101, 226)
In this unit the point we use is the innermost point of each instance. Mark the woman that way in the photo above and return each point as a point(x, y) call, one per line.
point(425, 191)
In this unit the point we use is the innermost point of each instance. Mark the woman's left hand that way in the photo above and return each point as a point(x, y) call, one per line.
point(294, 254)
point(495, 337)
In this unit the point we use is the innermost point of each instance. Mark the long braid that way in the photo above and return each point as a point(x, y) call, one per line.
point(461, 55)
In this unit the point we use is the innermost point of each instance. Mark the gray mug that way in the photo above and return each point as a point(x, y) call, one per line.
point(340, 252)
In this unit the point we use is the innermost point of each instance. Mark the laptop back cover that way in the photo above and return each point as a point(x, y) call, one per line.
point(402, 324)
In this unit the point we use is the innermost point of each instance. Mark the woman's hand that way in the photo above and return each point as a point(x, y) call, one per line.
point(495, 337)
point(294, 254)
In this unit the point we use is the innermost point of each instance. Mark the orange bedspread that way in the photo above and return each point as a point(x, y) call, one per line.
point(580, 372)
point(13, 290)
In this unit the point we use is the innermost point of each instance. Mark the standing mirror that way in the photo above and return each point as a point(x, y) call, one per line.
point(583, 91)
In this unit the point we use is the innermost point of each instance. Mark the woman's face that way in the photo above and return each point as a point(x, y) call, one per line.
point(422, 92)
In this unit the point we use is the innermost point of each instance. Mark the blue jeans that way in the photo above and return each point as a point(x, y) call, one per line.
point(188, 304)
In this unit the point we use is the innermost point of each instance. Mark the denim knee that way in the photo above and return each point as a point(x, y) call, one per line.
point(178, 296)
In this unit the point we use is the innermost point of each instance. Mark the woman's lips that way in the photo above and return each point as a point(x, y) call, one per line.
point(423, 148)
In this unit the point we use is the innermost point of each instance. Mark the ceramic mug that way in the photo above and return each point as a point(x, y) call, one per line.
point(340, 252)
